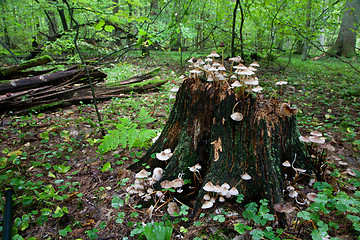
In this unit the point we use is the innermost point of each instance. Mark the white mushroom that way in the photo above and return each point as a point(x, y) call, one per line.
point(246, 176)
point(207, 204)
point(236, 116)
point(157, 173)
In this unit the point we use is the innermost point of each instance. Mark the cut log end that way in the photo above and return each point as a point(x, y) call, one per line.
point(200, 130)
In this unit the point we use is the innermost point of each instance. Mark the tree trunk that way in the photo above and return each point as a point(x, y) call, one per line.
point(346, 40)
point(305, 49)
point(233, 29)
point(200, 130)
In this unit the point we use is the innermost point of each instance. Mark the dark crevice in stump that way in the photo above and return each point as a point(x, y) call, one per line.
point(200, 130)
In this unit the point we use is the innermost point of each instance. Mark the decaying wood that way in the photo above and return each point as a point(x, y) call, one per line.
point(77, 75)
point(67, 87)
point(7, 73)
point(201, 131)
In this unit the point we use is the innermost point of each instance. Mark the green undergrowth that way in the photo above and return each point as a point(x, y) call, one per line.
point(44, 158)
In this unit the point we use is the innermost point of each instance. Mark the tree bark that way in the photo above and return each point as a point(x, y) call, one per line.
point(346, 40)
point(200, 130)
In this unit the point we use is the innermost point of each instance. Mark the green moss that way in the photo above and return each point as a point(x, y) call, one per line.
point(35, 62)
point(45, 106)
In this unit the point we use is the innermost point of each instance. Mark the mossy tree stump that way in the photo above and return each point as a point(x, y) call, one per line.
point(200, 130)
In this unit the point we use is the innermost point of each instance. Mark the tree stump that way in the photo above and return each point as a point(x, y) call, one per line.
point(200, 130)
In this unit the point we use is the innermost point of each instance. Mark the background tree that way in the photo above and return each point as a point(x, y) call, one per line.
point(346, 40)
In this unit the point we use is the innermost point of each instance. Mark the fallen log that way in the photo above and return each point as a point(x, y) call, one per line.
point(53, 78)
point(7, 73)
point(72, 90)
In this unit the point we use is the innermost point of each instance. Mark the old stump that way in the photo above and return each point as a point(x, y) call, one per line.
point(200, 130)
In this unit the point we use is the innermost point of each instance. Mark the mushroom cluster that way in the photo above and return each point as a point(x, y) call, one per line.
point(216, 191)
point(164, 155)
point(143, 185)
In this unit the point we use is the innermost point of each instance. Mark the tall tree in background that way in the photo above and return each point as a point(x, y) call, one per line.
point(346, 40)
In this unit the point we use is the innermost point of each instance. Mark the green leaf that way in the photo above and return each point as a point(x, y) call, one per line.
point(100, 24)
point(315, 234)
point(304, 215)
point(241, 228)
point(117, 202)
point(109, 28)
point(106, 167)
point(142, 32)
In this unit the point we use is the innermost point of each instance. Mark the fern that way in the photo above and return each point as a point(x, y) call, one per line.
point(129, 133)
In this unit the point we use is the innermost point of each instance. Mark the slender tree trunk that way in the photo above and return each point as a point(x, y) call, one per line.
point(233, 50)
point(63, 19)
point(308, 21)
point(4, 23)
point(346, 40)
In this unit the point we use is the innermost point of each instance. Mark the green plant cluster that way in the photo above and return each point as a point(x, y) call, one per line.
point(129, 133)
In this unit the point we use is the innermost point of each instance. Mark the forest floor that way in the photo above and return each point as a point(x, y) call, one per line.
point(67, 187)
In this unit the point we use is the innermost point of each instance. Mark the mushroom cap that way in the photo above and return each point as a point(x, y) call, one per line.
point(222, 68)
point(176, 183)
point(213, 54)
point(304, 139)
point(240, 67)
point(251, 81)
point(257, 89)
point(236, 116)
point(209, 187)
point(162, 156)
point(293, 194)
point(316, 133)
point(142, 174)
point(225, 185)
point(286, 111)
point(197, 166)
point(206, 66)
point(286, 164)
point(208, 59)
point(311, 196)
point(233, 191)
point(213, 69)
point(216, 64)
point(157, 173)
point(236, 84)
point(206, 197)
point(166, 184)
point(221, 199)
point(255, 64)
point(200, 61)
point(196, 71)
point(236, 59)
point(342, 163)
point(207, 204)
point(284, 208)
point(210, 79)
point(252, 69)
point(246, 176)
point(246, 72)
point(172, 208)
point(279, 83)
point(351, 172)
point(218, 189)
point(172, 96)
point(316, 139)
point(174, 89)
